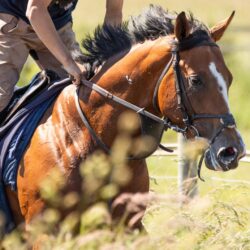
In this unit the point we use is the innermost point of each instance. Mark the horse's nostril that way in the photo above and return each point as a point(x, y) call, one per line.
point(227, 155)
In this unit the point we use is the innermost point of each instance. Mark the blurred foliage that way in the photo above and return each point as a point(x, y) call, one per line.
point(217, 220)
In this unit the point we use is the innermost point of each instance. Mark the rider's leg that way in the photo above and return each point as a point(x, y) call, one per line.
point(13, 54)
point(113, 12)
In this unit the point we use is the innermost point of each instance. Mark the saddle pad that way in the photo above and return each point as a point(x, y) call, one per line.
point(15, 135)
point(25, 94)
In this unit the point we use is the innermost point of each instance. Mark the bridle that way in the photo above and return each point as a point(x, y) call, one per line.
point(183, 102)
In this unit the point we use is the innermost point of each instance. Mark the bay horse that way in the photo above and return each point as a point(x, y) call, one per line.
point(168, 64)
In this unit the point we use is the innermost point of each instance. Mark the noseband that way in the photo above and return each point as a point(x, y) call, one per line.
point(183, 102)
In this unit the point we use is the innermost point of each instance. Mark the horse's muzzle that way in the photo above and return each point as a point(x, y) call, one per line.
point(225, 157)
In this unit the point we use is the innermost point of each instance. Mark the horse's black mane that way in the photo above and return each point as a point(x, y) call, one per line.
point(153, 23)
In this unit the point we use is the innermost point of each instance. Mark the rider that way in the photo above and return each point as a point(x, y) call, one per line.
point(43, 26)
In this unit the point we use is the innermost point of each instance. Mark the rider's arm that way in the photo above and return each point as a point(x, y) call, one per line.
point(38, 15)
point(113, 12)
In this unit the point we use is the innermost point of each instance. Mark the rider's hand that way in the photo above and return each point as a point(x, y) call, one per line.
point(83, 70)
point(76, 71)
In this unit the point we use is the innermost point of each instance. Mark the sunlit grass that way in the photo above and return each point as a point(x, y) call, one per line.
point(219, 217)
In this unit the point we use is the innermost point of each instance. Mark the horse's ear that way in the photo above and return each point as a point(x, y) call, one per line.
point(182, 27)
point(218, 30)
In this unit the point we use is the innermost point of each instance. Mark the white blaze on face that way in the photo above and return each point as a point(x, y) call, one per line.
point(220, 80)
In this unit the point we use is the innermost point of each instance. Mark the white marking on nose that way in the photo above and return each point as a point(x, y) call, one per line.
point(220, 80)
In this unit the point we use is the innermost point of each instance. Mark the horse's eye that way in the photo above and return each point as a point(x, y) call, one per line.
point(195, 80)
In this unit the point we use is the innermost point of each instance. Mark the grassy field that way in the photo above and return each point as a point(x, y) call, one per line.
point(220, 217)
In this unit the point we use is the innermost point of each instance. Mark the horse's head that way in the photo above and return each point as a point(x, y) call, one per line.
point(185, 74)
point(193, 93)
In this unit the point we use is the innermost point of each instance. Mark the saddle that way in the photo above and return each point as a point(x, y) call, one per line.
point(17, 125)
point(24, 95)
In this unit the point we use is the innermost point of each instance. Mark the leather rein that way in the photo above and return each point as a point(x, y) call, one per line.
point(183, 102)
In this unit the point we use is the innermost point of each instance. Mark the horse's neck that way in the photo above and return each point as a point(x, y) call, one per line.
point(132, 77)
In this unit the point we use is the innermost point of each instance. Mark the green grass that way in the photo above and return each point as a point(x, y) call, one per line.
point(167, 167)
point(218, 218)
